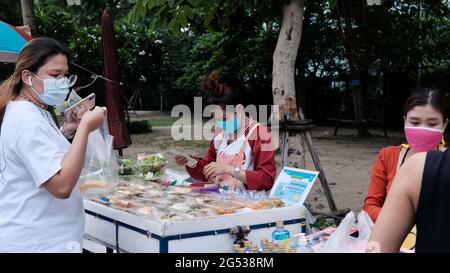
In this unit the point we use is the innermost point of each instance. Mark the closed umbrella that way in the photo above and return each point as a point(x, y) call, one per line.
point(113, 91)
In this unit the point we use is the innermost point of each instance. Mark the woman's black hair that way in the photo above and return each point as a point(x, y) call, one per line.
point(223, 89)
point(44, 48)
point(424, 96)
point(33, 56)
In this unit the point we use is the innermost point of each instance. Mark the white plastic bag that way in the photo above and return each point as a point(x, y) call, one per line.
point(342, 242)
point(100, 171)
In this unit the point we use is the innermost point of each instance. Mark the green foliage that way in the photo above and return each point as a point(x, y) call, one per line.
point(10, 12)
point(168, 46)
point(214, 14)
point(149, 61)
point(248, 59)
point(321, 53)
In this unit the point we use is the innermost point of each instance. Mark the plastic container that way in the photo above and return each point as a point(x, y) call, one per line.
point(127, 166)
point(154, 163)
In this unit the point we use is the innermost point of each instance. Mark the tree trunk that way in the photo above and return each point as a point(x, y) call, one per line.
point(283, 79)
point(284, 57)
point(28, 15)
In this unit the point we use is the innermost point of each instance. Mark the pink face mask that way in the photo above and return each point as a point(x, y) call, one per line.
point(423, 139)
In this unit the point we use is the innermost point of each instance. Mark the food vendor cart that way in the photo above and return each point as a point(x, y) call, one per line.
point(131, 233)
point(151, 217)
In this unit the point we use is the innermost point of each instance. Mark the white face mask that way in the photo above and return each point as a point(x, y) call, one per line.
point(55, 90)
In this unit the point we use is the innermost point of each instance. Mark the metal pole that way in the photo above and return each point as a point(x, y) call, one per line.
point(161, 101)
point(318, 165)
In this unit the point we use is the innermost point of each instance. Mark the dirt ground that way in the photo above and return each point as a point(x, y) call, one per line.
point(346, 159)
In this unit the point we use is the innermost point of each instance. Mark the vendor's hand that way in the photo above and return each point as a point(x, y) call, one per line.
point(92, 120)
point(213, 169)
point(71, 123)
point(180, 160)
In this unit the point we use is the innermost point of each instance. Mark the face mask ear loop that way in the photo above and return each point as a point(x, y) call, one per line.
point(32, 88)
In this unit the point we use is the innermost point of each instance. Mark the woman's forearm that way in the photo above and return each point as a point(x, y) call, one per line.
point(62, 184)
point(73, 161)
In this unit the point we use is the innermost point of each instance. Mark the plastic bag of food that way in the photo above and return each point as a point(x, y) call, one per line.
point(100, 171)
point(343, 239)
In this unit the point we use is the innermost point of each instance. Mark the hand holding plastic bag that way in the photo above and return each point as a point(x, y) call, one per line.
point(342, 242)
point(100, 171)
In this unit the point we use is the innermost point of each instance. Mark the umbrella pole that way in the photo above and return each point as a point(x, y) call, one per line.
point(120, 152)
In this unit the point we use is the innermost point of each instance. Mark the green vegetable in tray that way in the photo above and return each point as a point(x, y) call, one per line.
point(126, 166)
point(125, 170)
point(153, 163)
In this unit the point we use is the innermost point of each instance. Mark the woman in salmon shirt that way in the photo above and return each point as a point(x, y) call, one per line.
point(426, 117)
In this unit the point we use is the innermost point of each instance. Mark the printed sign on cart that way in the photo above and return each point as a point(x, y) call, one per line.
point(293, 185)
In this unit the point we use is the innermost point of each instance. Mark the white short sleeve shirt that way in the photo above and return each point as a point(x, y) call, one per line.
point(31, 151)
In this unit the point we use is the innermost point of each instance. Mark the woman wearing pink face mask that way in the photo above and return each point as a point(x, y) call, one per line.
point(426, 117)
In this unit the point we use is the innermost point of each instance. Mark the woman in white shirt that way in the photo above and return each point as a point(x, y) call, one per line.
point(41, 210)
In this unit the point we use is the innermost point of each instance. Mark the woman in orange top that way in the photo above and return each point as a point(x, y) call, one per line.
point(426, 117)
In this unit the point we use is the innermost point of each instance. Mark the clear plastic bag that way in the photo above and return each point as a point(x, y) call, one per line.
point(341, 241)
point(100, 171)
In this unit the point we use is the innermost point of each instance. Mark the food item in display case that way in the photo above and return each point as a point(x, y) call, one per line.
point(181, 207)
point(153, 163)
point(222, 209)
point(167, 215)
point(181, 189)
point(239, 203)
point(231, 210)
point(145, 187)
point(146, 210)
point(265, 204)
point(124, 204)
point(150, 194)
point(162, 201)
point(201, 213)
point(160, 213)
point(128, 192)
point(112, 198)
point(92, 184)
point(277, 202)
point(176, 203)
point(126, 166)
point(203, 199)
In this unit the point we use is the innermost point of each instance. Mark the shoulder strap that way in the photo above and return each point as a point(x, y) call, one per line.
point(248, 136)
